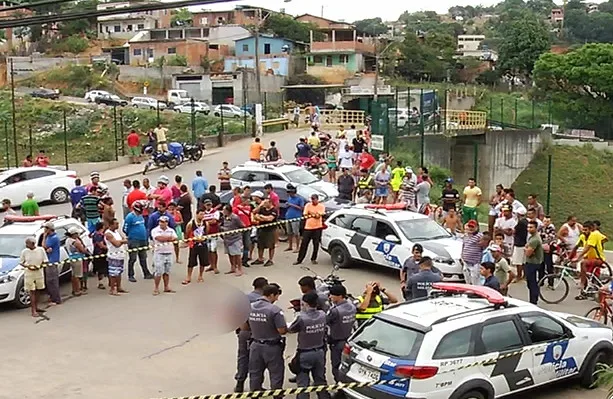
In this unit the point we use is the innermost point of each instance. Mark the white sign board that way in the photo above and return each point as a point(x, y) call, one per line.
point(377, 142)
point(258, 120)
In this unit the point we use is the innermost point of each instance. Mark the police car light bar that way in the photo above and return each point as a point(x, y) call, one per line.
point(17, 218)
point(492, 296)
point(390, 207)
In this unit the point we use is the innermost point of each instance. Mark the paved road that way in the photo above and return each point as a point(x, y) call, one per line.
point(140, 346)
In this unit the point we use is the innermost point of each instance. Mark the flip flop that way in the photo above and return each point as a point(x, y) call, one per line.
point(170, 291)
point(216, 271)
point(200, 280)
point(185, 282)
point(101, 287)
point(288, 249)
point(229, 272)
point(156, 293)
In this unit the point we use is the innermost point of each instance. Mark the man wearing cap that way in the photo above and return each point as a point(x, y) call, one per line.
point(162, 192)
point(211, 218)
point(154, 218)
point(450, 196)
point(420, 284)
point(163, 250)
point(29, 207)
point(340, 320)
point(136, 231)
point(314, 212)
point(32, 259)
point(411, 267)
point(502, 270)
point(51, 244)
point(472, 252)
point(346, 185)
point(95, 181)
point(90, 205)
point(212, 196)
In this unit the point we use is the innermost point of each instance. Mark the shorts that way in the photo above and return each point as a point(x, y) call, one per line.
point(34, 280)
point(518, 257)
point(91, 225)
point(266, 239)
point(235, 248)
point(381, 192)
point(115, 267)
point(293, 228)
point(212, 244)
point(198, 255)
point(162, 264)
point(133, 151)
point(468, 213)
point(76, 267)
point(592, 266)
point(101, 266)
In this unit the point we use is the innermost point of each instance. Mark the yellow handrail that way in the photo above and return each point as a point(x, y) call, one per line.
point(464, 120)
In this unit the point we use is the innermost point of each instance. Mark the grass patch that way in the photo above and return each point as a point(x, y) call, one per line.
point(581, 177)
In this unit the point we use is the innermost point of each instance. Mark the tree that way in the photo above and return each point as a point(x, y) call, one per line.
point(579, 84)
point(523, 38)
point(181, 17)
point(285, 26)
point(429, 58)
point(581, 27)
point(373, 26)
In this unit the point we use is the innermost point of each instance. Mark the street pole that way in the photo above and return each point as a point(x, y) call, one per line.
point(115, 132)
point(193, 121)
point(14, 114)
point(421, 127)
point(6, 141)
point(65, 140)
point(30, 138)
point(158, 110)
point(123, 144)
point(376, 89)
point(258, 83)
point(549, 169)
point(244, 76)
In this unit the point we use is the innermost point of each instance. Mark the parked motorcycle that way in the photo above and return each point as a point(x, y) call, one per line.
point(314, 164)
point(194, 151)
point(322, 284)
point(160, 159)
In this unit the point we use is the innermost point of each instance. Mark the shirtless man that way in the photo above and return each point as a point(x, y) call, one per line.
point(452, 221)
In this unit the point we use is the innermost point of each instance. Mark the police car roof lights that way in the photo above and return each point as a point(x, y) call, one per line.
point(492, 296)
point(24, 219)
point(387, 207)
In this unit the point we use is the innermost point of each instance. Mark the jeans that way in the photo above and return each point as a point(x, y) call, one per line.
point(52, 283)
point(307, 237)
point(533, 273)
point(548, 267)
point(472, 274)
point(142, 257)
point(246, 245)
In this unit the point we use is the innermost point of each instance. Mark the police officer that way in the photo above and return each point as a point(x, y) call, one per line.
point(420, 284)
point(244, 336)
point(340, 320)
point(267, 325)
point(307, 284)
point(310, 324)
point(365, 182)
point(371, 302)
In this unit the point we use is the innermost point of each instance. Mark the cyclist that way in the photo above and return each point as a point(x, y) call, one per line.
point(592, 257)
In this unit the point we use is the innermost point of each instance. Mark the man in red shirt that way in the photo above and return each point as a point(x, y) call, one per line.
point(135, 195)
point(42, 159)
point(242, 208)
point(133, 141)
point(367, 161)
point(274, 197)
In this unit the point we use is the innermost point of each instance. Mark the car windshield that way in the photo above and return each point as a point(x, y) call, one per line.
point(182, 94)
point(11, 245)
point(389, 339)
point(301, 176)
point(422, 230)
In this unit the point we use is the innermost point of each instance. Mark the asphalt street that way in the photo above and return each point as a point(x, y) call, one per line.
point(139, 346)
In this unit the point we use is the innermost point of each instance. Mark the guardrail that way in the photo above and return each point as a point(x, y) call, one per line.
point(464, 120)
point(276, 122)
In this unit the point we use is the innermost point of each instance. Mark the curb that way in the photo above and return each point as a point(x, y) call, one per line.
point(154, 168)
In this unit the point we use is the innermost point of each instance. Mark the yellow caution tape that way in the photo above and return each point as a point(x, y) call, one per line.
point(149, 247)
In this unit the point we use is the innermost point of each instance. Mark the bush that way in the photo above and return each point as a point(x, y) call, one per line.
point(72, 44)
point(176, 60)
point(101, 155)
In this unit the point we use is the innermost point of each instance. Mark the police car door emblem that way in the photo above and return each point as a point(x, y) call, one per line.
point(558, 351)
point(369, 358)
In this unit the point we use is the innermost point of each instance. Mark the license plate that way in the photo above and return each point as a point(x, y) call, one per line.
point(367, 373)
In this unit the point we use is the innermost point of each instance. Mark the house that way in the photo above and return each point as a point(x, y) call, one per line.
point(557, 15)
point(126, 25)
point(193, 43)
point(15, 37)
point(343, 51)
point(277, 55)
point(240, 15)
point(471, 46)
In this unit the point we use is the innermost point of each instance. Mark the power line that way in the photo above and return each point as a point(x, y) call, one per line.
point(43, 19)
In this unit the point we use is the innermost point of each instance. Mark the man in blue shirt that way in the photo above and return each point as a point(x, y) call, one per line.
point(487, 271)
point(154, 218)
point(303, 150)
point(76, 194)
point(136, 231)
point(51, 244)
point(295, 206)
point(199, 186)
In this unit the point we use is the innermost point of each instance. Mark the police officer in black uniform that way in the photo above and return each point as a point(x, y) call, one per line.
point(310, 324)
point(267, 325)
point(340, 320)
point(244, 336)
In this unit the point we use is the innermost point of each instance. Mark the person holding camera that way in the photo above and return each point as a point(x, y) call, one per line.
point(371, 302)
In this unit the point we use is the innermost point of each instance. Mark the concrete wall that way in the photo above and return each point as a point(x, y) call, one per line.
point(278, 65)
point(227, 35)
point(128, 73)
point(25, 67)
point(246, 47)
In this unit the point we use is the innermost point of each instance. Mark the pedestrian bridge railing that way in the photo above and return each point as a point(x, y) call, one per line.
point(464, 120)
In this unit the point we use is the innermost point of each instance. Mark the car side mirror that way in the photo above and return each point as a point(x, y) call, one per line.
point(392, 238)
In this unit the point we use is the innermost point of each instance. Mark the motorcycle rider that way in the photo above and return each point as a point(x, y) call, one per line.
point(303, 151)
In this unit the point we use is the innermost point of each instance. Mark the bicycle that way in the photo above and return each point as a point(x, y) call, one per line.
point(558, 282)
point(602, 312)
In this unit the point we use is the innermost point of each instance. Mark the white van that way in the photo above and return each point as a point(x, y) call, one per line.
point(178, 97)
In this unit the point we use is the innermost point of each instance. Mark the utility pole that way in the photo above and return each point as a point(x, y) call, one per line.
point(258, 83)
point(14, 113)
point(376, 90)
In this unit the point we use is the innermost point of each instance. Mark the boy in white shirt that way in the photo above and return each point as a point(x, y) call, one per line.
point(163, 252)
point(32, 259)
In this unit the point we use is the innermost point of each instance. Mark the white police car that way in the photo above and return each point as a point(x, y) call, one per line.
point(470, 342)
point(12, 241)
point(386, 235)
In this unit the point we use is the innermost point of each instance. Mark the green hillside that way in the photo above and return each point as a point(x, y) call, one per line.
point(581, 183)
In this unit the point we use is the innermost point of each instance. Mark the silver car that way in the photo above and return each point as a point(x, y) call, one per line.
point(147, 103)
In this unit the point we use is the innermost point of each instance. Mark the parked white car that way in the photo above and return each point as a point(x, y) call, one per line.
point(47, 184)
point(199, 107)
point(402, 116)
point(90, 96)
point(12, 240)
point(230, 111)
point(147, 103)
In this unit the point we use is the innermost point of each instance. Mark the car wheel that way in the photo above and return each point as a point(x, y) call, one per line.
point(60, 195)
point(207, 112)
point(589, 375)
point(135, 106)
point(237, 116)
point(216, 114)
point(22, 297)
point(340, 256)
point(472, 395)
